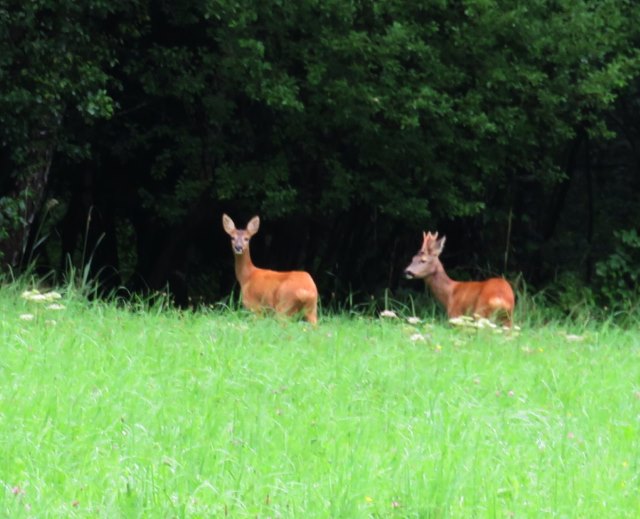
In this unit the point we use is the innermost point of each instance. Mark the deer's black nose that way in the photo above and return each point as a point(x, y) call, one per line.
point(408, 274)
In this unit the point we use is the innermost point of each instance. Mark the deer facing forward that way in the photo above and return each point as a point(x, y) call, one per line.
point(492, 297)
point(286, 293)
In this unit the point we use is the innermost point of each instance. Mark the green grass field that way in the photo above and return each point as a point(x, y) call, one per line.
point(109, 412)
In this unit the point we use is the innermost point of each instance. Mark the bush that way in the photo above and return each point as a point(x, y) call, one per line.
point(619, 273)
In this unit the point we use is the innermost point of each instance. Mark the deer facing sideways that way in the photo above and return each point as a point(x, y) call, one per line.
point(286, 293)
point(493, 297)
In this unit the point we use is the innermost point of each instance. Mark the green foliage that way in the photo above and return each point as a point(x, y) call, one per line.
point(569, 296)
point(619, 273)
point(55, 60)
point(343, 116)
point(382, 105)
point(54, 82)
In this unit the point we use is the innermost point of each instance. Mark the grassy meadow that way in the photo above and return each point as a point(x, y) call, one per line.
point(150, 412)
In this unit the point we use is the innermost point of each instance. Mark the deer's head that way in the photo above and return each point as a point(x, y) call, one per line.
point(240, 237)
point(426, 263)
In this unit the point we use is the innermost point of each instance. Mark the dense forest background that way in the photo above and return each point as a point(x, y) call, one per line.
point(128, 127)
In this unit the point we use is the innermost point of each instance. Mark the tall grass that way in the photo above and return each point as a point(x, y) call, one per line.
point(152, 412)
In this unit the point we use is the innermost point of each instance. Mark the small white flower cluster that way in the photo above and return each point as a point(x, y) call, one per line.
point(413, 320)
point(38, 297)
point(466, 321)
point(418, 337)
point(390, 314)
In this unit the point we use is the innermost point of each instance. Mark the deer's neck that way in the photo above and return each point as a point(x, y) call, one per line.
point(244, 266)
point(441, 285)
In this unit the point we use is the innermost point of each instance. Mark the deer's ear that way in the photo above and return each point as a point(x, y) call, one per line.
point(437, 246)
point(228, 225)
point(253, 225)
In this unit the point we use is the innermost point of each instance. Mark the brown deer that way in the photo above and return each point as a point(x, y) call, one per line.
point(492, 297)
point(286, 293)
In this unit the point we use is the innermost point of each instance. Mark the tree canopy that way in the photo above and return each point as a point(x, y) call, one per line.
point(350, 127)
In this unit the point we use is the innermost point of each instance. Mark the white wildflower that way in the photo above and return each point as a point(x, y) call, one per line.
point(574, 338)
point(28, 294)
point(52, 296)
point(35, 295)
point(463, 320)
point(413, 320)
point(56, 306)
point(26, 317)
point(485, 323)
point(417, 337)
point(388, 313)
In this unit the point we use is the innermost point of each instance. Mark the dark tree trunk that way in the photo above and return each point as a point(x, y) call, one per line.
point(590, 211)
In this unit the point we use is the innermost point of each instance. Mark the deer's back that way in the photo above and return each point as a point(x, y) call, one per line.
point(482, 297)
point(269, 287)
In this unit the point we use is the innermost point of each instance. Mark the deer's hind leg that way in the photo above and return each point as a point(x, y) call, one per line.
point(311, 311)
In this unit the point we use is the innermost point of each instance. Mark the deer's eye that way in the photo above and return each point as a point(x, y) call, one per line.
point(423, 259)
point(246, 239)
